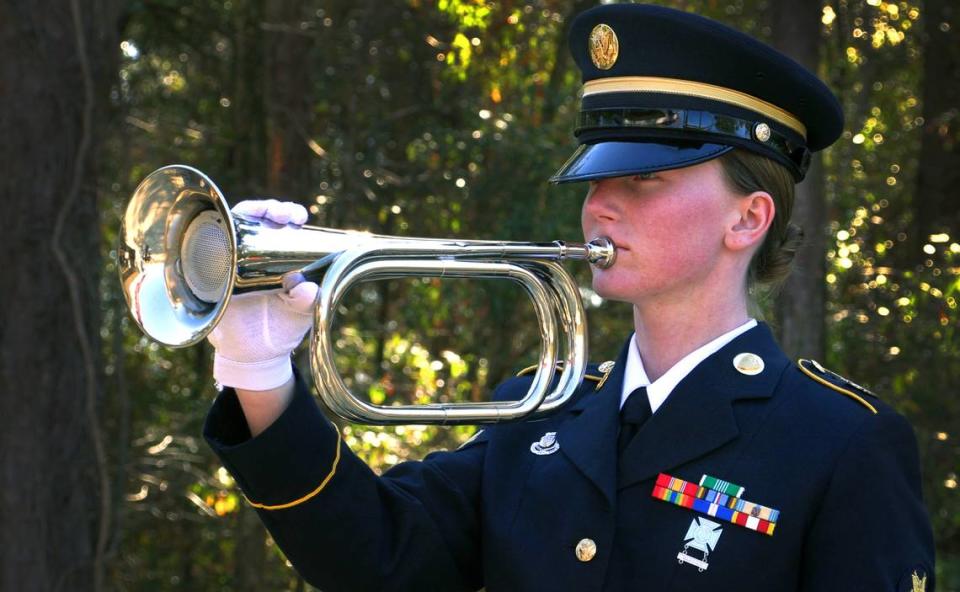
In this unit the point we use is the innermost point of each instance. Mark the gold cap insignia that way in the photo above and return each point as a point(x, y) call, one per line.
point(749, 364)
point(604, 47)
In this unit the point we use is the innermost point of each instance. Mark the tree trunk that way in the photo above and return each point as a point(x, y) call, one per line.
point(937, 204)
point(54, 506)
point(246, 157)
point(279, 49)
point(289, 99)
point(800, 307)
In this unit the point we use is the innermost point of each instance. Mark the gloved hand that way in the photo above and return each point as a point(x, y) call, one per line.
point(259, 331)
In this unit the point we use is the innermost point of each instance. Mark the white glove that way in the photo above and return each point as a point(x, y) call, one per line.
point(281, 212)
point(259, 331)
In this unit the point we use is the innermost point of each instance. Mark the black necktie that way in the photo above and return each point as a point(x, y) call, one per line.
point(635, 412)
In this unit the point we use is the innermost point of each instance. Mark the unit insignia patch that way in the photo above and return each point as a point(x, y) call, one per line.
point(546, 445)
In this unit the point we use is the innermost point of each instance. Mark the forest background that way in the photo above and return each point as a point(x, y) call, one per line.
point(412, 117)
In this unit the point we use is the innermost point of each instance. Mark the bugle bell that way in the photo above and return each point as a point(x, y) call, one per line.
point(183, 254)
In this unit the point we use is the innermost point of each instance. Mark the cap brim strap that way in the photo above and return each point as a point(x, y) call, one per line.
point(654, 84)
point(713, 126)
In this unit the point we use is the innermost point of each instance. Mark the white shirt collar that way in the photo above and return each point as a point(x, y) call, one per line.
point(634, 376)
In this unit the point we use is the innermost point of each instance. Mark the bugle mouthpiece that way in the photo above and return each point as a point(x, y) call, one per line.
point(601, 252)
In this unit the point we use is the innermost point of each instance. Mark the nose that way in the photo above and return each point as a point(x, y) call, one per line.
point(600, 203)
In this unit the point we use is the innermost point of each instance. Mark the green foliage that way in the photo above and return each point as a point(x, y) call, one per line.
point(892, 290)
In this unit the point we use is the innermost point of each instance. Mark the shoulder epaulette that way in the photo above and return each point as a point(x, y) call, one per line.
point(532, 369)
point(605, 368)
point(835, 382)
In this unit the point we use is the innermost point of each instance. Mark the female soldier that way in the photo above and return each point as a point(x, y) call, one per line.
point(703, 459)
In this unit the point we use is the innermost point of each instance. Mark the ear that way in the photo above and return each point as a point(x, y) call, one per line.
point(754, 214)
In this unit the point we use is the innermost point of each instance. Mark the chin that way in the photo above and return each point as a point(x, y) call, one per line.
point(607, 286)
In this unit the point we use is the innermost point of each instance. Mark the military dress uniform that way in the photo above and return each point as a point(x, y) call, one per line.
point(547, 506)
point(755, 473)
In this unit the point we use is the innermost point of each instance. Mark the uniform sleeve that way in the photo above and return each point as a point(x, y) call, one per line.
point(342, 526)
point(872, 531)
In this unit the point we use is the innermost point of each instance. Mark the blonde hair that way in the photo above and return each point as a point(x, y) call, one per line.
point(746, 172)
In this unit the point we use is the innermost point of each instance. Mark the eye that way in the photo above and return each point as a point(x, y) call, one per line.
point(644, 176)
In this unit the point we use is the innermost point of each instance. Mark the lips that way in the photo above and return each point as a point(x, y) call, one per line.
point(620, 245)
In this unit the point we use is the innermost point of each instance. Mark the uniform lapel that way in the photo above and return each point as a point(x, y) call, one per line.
point(698, 416)
point(588, 438)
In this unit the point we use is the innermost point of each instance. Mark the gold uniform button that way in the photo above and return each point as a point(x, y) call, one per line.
point(749, 364)
point(586, 549)
point(762, 132)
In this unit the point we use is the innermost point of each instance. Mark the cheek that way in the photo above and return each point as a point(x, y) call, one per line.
point(680, 238)
point(677, 222)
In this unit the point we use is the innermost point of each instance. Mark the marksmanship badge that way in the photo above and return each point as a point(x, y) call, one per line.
point(547, 445)
point(604, 47)
point(702, 535)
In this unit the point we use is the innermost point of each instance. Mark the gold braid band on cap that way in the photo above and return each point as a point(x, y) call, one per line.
point(297, 502)
point(694, 89)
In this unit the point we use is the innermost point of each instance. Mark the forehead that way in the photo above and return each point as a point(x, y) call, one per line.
point(692, 191)
point(703, 172)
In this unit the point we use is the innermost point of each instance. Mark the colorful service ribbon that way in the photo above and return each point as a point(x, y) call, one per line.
point(721, 486)
point(716, 503)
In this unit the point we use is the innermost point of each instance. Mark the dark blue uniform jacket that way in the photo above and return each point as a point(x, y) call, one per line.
point(494, 514)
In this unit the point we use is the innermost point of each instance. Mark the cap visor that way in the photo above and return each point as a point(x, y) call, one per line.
point(619, 159)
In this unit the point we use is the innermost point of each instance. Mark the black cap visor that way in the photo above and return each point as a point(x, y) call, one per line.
point(620, 159)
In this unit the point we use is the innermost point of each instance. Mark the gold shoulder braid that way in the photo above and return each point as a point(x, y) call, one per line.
point(532, 369)
point(606, 368)
point(835, 382)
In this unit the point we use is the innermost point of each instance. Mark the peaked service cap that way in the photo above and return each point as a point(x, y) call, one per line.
point(665, 89)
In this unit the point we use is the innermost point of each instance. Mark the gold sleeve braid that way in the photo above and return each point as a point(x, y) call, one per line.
point(297, 502)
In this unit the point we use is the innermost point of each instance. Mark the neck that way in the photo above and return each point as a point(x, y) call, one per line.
point(670, 328)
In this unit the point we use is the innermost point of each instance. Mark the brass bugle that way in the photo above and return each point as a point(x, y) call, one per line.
point(182, 254)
